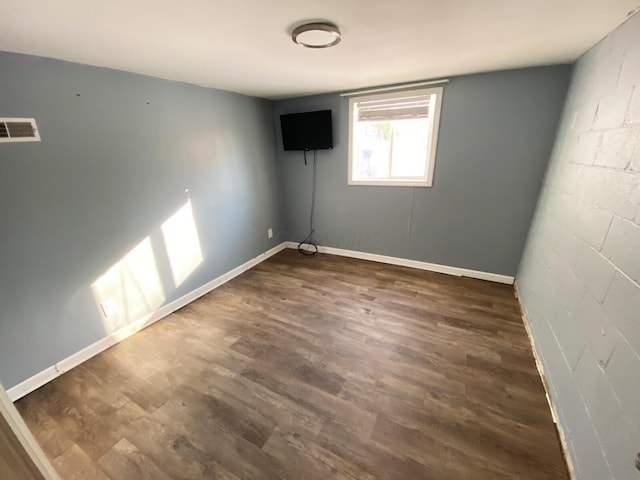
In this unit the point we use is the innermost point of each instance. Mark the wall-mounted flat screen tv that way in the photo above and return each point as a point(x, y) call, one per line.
point(307, 130)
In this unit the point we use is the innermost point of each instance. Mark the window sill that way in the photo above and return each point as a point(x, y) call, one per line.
point(391, 183)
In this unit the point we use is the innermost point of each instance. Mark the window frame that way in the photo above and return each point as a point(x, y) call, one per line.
point(427, 180)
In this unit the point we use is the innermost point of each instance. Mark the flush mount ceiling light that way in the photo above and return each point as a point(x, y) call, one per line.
point(316, 35)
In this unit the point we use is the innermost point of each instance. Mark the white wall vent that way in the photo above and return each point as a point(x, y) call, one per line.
point(18, 130)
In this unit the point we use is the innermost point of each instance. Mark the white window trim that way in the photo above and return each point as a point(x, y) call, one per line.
point(433, 140)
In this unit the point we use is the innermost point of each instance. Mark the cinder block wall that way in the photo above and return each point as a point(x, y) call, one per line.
point(580, 274)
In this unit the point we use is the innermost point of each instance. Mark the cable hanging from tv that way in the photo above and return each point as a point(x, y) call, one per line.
point(307, 131)
point(307, 247)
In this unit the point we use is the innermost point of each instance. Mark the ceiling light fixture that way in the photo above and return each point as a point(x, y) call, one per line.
point(316, 35)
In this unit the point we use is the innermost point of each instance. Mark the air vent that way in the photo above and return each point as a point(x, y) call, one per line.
point(18, 130)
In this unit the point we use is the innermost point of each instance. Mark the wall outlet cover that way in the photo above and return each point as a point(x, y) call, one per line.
point(109, 308)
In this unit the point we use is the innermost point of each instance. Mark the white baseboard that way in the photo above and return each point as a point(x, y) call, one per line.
point(432, 267)
point(32, 383)
point(48, 374)
point(552, 407)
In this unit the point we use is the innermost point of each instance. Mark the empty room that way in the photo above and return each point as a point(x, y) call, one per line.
point(320, 240)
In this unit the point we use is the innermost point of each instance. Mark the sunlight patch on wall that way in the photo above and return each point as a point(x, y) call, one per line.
point(130, 290)
point(183, 243)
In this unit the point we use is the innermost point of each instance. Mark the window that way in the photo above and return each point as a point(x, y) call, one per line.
point(393, 136)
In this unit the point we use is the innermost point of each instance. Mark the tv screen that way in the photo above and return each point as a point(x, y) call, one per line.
point(307, 130)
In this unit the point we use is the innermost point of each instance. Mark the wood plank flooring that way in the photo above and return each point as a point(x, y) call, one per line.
point(311, 368)
point(15, 462)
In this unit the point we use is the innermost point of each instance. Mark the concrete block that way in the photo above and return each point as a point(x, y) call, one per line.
point(545, 224)
point(568, 400)
point(589, 453)
point(602, 405)
point(543, 256)
point(529, 280)
point(535, 307)
point(562, 206)
point(585, 115)
point(617, 192)
point(567, 285)
point(612, 109)
point(549, 301)
point(595, 271)
point(633, 111)
point(566, 138)
point(565, 177)
point(532, 326)
point(622, 305)
point(564, 242)
point(588, 182)
point(597, 72)
point(592, 178)
point(598, 329)
point(616, 147)
point(622, 247)
point(621, 448)
point(568, 336)
point(635, 160)
point(586, 147)
point(529, 261)
point(630, 70)
point(574, 459)
point(564, 391)
point(532, 310)
point(543, 199)
point(623, 372)
point(590, 224)
point(548, 349)
point(626, 36)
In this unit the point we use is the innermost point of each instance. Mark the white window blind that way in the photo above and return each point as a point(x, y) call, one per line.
point(394, 109)
point(393, 137)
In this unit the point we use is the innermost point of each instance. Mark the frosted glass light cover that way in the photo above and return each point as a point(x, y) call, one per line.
point(316, 35)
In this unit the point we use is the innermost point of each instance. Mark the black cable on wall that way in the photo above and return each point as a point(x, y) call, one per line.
point(309, 240)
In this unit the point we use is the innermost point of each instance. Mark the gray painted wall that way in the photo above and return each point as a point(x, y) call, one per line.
point(496, 134)
point(113, 165)
point(580, 274)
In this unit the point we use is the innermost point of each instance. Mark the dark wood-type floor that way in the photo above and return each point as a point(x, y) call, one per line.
point(311, 368)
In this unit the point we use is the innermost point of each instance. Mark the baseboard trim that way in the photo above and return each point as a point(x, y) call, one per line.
point(54, 371)
point(48, 374)
point(541, 372)
point(404, 262)
point(32, 383)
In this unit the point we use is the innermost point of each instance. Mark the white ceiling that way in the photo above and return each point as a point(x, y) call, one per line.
point(245, 45)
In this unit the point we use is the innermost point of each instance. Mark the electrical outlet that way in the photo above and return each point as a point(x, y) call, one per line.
point(109, 308)
point(270, 233)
